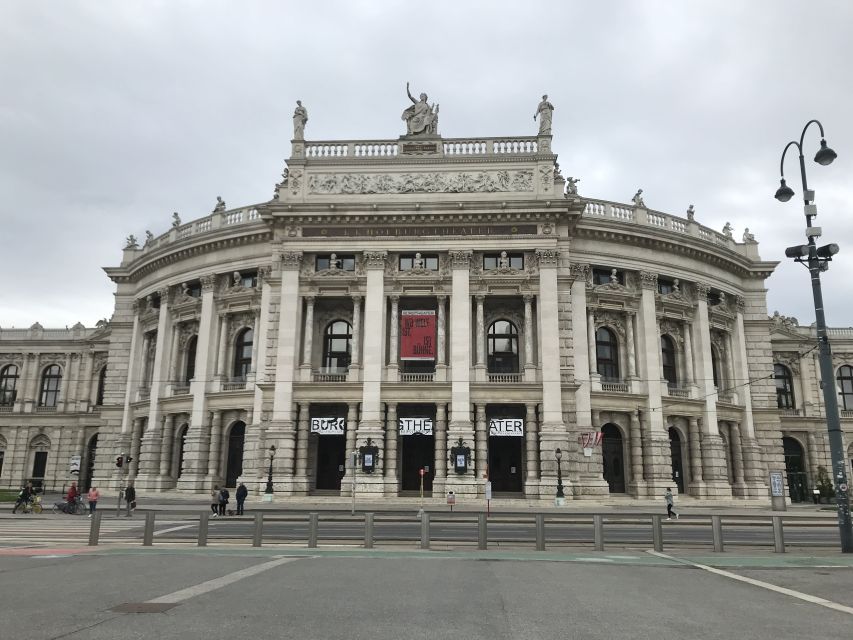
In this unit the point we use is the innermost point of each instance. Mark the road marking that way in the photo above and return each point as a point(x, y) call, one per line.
point(218, 583)
point(829, 604)
point(162, 531)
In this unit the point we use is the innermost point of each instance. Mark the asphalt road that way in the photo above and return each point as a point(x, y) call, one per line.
point(374, 596)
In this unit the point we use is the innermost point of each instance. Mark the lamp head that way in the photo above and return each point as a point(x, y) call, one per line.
point(272, 451)
point(558, 454)
point(825, 155)
point(784, 192)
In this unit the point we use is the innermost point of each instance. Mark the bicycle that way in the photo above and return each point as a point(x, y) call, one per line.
point(77, 508)
point(33, 505)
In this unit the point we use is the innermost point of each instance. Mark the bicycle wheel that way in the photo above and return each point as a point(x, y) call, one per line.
point(55, 510)
point(37, 508)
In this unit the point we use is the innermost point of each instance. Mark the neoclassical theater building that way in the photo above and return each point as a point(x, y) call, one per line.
point(451, 309)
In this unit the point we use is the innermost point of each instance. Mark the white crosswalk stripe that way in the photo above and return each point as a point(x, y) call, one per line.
point(40, 529)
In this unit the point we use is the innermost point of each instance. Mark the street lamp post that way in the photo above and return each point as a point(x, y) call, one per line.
point(817, 259)
point(268, 490)
point(560, 498)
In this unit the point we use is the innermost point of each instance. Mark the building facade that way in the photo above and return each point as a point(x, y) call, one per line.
point(452, 310)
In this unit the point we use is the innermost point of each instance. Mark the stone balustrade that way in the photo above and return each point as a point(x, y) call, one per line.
point(372, 149)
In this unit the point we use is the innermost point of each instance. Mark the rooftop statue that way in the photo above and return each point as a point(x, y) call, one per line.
point(572, 185)
point(747, 236)
point(176, 220)
point(545, 111)
point(727, 230)
point(131, 243)
point(220, 205)
point(300, 118)
point(638, 199)
point(421, 118)
point(691, 213)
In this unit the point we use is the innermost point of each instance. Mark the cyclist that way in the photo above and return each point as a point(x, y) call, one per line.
point(25, 496)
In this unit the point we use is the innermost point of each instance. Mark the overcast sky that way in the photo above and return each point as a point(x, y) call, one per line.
point(115, 114)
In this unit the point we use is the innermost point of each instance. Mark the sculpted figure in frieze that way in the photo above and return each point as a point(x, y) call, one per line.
point(421, 118)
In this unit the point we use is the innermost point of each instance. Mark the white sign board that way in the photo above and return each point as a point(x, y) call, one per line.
point(506, 427)
point(411, 426)
point(75, 464)
point(488, 490)
point(777, 485)
point(328, 426)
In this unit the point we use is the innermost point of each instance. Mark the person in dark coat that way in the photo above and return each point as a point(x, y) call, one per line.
point(223, 500)
point(130, 499)
point(241, 494)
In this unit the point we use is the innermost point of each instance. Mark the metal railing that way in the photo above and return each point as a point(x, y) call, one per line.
point(504, 378)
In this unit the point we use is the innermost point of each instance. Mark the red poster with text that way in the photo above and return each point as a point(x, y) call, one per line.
point(417, 335)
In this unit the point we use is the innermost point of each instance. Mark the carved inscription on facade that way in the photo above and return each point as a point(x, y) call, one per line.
point(420, 231)
point(423, 182)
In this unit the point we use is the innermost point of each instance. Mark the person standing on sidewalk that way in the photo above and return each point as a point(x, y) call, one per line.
point(223, 500)
point(130, 499)
point(92, 497)
point(242, 493)
point(214, 500)
point(670, 502)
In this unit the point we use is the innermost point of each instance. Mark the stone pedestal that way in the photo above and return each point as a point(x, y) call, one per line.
point(714, 470)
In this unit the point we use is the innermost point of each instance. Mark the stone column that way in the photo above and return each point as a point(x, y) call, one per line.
point(308, 332)
point(688, 354)
point(253, 367)
point(27, 365)
point(811, 453)
point(356, 332)
point(90, 386)
point(737, 459)
point(135, 442)
point(145, 378)
point(351, 433)
point(213, 475)
point(629, 345)
point(374, 341)
point(391, 437)
point(480, 331)
point(528, 332)
point(638, 485)
point(460, 366)
point(583, 368)
point(73, 362)
point(151, 449)
point(198, 436)
point(394, 338)
point(806, 400)
point(440, 443)
point(481, 442)
point(252, 447)
point(174, 376)
point(303, 433)
point(531, 444)
point(222, 359)
point(440, 330)
point(713, 454)
point(695, 455)
point(166, 446)
point(590, 341)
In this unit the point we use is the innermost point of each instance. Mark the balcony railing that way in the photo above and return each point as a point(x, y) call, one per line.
point(615, 386)
point(46, 409)
point(504, 378)
point(6, 408)
point(677, 392)
point(234, 385)
point(180, 389)
point(846, 413)
point(725, 396)
point(789, 412)
point(417, 377)
point(144, 393)
point(327, 374)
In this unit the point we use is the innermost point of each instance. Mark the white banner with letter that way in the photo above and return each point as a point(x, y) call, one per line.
point(328, 426)
point(506, 427)
point(411, 426)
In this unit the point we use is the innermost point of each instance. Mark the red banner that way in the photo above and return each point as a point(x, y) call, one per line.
point(417, 335)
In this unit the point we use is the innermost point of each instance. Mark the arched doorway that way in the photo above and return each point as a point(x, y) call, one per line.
point(796, 469)
point(180, 446)
point(39, 446)
point(234, 461)
point(675, 455)
point(91, 451)
point(613, 458)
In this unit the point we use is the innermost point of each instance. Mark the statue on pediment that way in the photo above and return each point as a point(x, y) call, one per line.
point(747, 236)
point(220, 205)
point(418, 262)
point(300, 119)
point(130, 242)
point(176, 220)
point(149, 237)
point(727, 230)
point(572, 185)
point(638, 199)
point(545, 111)
point(691, 213)
point(421, 118)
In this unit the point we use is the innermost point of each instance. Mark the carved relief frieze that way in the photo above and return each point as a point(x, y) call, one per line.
point(239, 321)
point(672, 329)
point(375, 259)
point(460, 259)
point(421, 182)
point(580, 271)
point(291, 260)
point(612, 319)
point(720, 340)
point(790, 359)
point(548, 257)
point(99, 360)
point(186, 331)
point(12, 358)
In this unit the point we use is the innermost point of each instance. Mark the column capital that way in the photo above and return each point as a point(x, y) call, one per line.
point(441, 297)
point(375, 259)
point(356, 298)
point(460, 259)
point(740, 302)
point(164, 295)
point(394, 297)
point(580, 271)
point(702, 290)
point(648, 280)
point(528, 297)
point(548, 258)
point(480, 297)
point(309, 299)
point(208, 282)
point(291, 260)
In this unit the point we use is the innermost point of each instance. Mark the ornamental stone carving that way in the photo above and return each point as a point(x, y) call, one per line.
point(548, 258)
point(239, 321)
point(460, 259)
point(702, 290)
point(740, 304)
point(790, 359)
point(580, 271)
point(672, 329)
point(611, 319)
point(421, 182)
point(784, 321)
point(264, 274)
point(649, 280)
point(375, 259)
point(291, 260)
point(208, 283)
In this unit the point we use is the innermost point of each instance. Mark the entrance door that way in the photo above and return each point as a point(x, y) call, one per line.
point(90, 462)
point(418, 452)
point(613, 458)
point(39, 468)
point(795, 467)
point(675, 455)
point(505, 455)
point(331, 458)
point(236, 442)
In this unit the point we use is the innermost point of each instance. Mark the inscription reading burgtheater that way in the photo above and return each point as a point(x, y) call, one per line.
point(471, 230)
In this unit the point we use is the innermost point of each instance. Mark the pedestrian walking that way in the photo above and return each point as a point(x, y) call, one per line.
point(670, 502)
point(92, 497)
point(71, 498)
point(214, 500)
point(129, 499)
point(223, 500)
point(24, 496)
point(241, 494)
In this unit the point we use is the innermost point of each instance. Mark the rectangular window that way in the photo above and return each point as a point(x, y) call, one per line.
point(194, 289)
point(605, 276)
point(713, 298)
point(665, 287)
point(249, 280)
point(493, 261)
point(427, 261)
point(344, 263)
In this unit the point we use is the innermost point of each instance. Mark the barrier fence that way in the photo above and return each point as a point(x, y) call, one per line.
point(473, 530)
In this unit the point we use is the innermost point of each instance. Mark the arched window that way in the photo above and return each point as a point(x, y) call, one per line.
point(667, 356)
point(502, 340)
point(8, 382)
point(102, 381)
point(784, 387)
point(243, 354)
point(845, 382)
point(715, 366)
point(606, 354)
point(337, 346)
point(51, 381)
point(189, 368)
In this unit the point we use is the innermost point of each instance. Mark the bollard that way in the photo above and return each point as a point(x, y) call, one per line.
point(657, 533)
point(258, 538)
point(368, 530)
point(482, 532)
point(313, 525)
point(598, 532)
point(540, 532)
point(148, 533)
point(95, 529)
point(717, 533)
point(425, 530)
point(778, 535)
point(203, 520)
